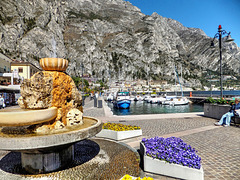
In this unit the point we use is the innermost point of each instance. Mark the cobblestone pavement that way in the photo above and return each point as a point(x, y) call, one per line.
point(219, 147)
point(90, 110)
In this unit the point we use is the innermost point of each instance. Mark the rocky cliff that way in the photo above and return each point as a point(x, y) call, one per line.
point(112, 38)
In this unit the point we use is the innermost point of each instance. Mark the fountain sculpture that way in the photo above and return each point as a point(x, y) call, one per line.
point(50, 120)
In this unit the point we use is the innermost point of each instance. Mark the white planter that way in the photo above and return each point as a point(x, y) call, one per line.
point(173, 170)
point(119, 135)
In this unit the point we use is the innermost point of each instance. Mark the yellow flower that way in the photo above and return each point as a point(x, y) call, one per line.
point(119, 127)
point(127, 177)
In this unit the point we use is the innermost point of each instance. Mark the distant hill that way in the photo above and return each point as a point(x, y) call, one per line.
point(112, 38)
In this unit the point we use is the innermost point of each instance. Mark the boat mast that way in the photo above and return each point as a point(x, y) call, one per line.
point(178, 80)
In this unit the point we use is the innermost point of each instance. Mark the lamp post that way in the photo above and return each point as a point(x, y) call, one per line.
point(228, 39)
point(82, 84)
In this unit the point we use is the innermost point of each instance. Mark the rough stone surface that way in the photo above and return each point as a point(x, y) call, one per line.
point(52, 89)
point(74, 117)
point(112, 38)
point(93, 159)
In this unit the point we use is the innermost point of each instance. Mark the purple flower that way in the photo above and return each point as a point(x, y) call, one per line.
point(172, 150)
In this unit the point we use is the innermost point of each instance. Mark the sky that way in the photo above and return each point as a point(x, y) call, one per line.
point(204, 14)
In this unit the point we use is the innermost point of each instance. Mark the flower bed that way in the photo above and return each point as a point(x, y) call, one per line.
point(119, 131)
point(171, 157)
point(128, 177)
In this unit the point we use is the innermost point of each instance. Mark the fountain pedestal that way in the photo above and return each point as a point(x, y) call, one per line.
point(47, 161)
point(48, 153)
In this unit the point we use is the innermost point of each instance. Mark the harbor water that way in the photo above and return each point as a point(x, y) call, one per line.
point(142, 107)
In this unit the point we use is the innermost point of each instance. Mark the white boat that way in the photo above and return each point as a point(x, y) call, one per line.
point(110, 97)
point(157, 99)
point(132, 98)
point(176, 101)
point(146, 97)
point(138, 98)
point(151, 98)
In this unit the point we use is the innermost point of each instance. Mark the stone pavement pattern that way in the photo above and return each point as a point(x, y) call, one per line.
point(219, 147)
point(94, 159)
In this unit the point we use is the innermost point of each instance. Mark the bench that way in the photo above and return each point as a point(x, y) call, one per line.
point(235, 120)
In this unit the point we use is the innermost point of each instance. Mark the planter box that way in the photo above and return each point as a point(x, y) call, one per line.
point(215, 110)
point(119, 135)
point(173, 170)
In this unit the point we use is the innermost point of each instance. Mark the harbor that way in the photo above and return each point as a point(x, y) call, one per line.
point(142, 107)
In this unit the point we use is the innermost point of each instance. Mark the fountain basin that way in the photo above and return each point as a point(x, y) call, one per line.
point(48, 153)
point(53, 64)
point(22, 117)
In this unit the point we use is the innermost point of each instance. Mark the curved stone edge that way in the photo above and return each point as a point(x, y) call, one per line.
point(45, 142)
point(23, 118)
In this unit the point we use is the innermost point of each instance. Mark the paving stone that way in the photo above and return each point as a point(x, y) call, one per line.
point(219, 148)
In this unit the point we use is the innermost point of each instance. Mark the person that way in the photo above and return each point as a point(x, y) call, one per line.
point(226, 118)
point(2, 104)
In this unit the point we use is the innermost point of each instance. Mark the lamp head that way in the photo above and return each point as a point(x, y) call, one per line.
point(212, 45)
point(229, 38)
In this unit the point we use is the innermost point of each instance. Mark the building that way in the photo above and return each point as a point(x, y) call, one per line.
point(5, 64)
point(24, 69)
point(5, 70)
point(9, 89)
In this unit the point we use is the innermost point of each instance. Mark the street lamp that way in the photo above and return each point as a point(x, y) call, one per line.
point(82, 85)
point(82, 66)
point(228, 39)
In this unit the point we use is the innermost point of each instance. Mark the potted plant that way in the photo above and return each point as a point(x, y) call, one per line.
point(171, 157)
point(119, 131)
point(215, 108)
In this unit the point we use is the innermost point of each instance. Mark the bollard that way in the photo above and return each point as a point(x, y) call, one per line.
point(95, 102)
point(83, 99)
point(99, 103)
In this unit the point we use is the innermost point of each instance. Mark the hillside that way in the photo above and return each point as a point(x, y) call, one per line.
point(112, 38)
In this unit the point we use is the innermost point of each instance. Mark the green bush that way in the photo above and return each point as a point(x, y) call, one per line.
point(211, 100)
point(218, 101)
point(222, 101)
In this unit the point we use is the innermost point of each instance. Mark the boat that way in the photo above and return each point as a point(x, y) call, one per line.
point(157, 100)
point(176, 101)
point(138, 98)
point(180, 101)
point(110, 97)
point(146, 97)
point(122, 100)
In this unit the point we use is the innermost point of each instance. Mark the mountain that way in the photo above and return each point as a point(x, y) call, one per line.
point(112, 38)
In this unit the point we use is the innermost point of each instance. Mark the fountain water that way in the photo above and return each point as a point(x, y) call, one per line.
point(49, 122)
point(54, 47)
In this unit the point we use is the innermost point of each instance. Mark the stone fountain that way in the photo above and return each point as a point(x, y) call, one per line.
point(49, 121)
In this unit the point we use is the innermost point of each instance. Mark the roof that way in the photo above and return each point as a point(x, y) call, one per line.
point(16, 62)
point(9, 89)
point(4, 57)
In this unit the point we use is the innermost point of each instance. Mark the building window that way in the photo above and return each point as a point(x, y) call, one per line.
point(20, 70)
point(5, 68)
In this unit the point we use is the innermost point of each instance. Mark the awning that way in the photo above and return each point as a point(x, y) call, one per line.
point(15, 89)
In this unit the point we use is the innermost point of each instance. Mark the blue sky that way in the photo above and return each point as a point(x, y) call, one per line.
point(204, 14)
